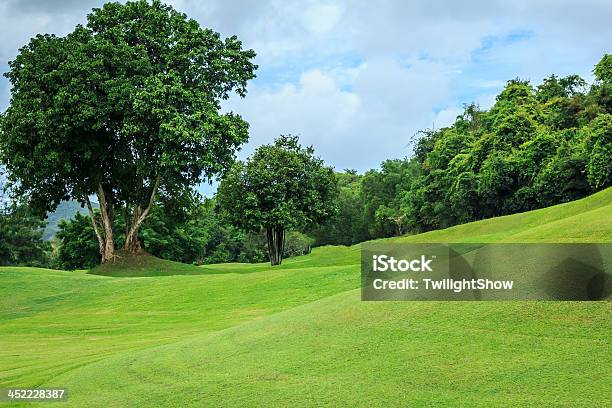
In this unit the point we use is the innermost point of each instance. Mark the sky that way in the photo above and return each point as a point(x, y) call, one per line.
point(357, 79)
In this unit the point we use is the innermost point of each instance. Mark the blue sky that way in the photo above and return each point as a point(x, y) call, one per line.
point(357, 79)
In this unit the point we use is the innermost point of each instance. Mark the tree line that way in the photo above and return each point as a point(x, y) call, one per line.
point(127, 109)
point(535, 147)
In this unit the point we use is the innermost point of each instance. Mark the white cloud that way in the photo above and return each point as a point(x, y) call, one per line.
point(22, 20)
point(446, 117)
point(485, 101)
point(315, 109)
point(358, 78)
point(358, 128)
point(321, 18)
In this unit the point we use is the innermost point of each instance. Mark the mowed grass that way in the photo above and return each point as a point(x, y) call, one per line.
point(54, 321)
point(130, 265)
point(298, 335)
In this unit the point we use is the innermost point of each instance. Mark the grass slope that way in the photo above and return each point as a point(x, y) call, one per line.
point(586, 220)
point(341, 352)
point(130, 265)
point(242, 334)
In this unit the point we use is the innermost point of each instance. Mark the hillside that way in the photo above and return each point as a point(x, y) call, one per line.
point(64, 211)
point(134, 265)
point(298, 334)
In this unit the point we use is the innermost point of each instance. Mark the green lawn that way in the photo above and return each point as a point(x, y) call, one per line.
point(298, 335)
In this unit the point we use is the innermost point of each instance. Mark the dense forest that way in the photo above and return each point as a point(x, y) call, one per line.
point(536, 146)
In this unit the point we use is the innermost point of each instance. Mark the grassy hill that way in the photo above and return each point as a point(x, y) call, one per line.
point(244, 334)
point(130, 265)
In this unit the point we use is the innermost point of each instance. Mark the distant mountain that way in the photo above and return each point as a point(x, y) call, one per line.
point(64, 211)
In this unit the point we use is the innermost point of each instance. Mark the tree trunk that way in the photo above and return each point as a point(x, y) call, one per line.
point(132, 244)
point(94, 222)
point(106, 214)
point(276, 244)
point(398, 223)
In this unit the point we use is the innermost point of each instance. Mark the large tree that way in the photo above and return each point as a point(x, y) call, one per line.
point(125, 108)
point(280, 187)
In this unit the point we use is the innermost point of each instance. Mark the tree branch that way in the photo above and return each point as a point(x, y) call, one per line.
point(140, 216)
point(145, 213)
point(94, 222)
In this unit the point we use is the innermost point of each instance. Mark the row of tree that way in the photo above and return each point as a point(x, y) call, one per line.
point(534, 147)
point(200, 236)
point(127, 109)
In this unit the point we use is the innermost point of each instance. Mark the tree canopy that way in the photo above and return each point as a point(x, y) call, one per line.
point(21, 234)
point(125, 107)
point(535, 147)
point(281, 186)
